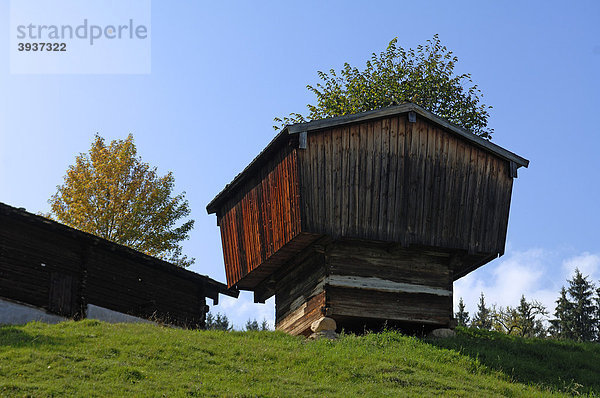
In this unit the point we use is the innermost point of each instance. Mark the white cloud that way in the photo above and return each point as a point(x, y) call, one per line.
point(537, 273)
point(240, 310)
point(530, 273)
point(587, 263)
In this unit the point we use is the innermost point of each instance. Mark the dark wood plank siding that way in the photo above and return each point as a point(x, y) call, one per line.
point(413, 183)
point(122, 284)
point(299, 290)
point(28, 258)
point(63, 298)
point(59, 269)
point(262, 217)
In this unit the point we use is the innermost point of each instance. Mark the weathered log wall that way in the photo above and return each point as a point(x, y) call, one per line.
point(360, 283)
point(62, 270)
point(374, 281)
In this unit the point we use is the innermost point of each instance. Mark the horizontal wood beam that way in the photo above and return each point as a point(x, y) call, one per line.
point(383, 285)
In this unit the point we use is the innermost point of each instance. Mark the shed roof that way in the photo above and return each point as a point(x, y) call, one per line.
point(211, 287)
point(321, 124)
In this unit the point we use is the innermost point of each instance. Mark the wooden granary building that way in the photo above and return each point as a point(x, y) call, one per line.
point(52, 271)
point(366, 218)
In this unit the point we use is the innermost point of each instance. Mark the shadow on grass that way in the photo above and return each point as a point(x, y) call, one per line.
point(560, 365)
point(13, 336)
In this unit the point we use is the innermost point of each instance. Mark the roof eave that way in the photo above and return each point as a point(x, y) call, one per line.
point(297, 128)
point(212, 207)
point(401, 109)
point(214, 286)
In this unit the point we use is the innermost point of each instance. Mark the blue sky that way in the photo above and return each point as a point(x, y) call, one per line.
point(221, 71)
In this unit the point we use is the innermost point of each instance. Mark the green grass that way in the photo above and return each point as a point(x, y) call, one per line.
point(91, 358)
point(561, 365)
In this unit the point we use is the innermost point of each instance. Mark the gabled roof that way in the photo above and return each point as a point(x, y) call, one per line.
point(321, 124)
point(211, 287)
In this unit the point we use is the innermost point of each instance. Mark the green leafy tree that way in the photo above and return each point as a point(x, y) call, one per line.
point(218, 322)
point(424, 76)
point(110, 192)
point(524, 320)
point(505, 319)
point(483, 318)
point(530, 315)
point(462, 316)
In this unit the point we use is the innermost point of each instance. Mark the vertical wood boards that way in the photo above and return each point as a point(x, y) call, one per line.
point(62, 298)
point(384, 179)
point(411, 183)
point(264, 217)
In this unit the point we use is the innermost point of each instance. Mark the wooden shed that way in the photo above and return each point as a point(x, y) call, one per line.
point(64, 271)
point(366, 218)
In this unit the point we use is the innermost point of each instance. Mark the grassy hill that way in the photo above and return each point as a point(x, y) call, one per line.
point(91, 358)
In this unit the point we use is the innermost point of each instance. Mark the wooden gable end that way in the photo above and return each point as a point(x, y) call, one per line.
point(393, 180)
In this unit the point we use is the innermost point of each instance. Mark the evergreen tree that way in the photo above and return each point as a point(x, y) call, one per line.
point(598, 313)
point(561, 324)
point(218, 322)
point(462, 316)
point(254, 325)
point(483, 317)
point(584, 311)
point(576, 315)
point(264, 325)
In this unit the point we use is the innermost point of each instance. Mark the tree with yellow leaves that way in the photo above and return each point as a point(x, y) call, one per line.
point(111, 193)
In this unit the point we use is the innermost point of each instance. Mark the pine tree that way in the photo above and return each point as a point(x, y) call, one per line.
point(218, 322)
point(483, 318)
point(462, 316)
point(583, 310)
point(576, 314)
point(561, 325)
point(598, 313)
point(253, 325)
